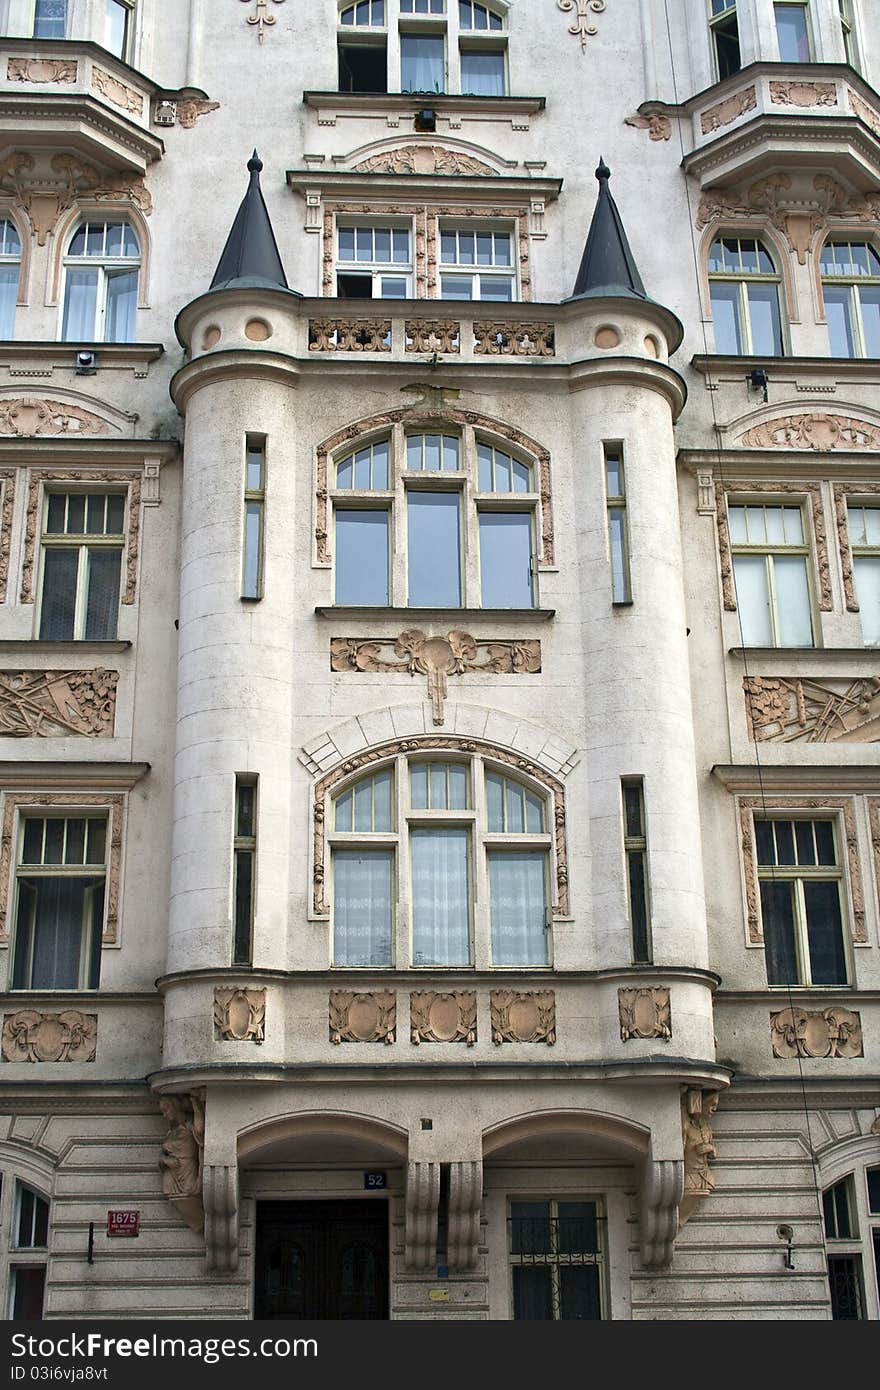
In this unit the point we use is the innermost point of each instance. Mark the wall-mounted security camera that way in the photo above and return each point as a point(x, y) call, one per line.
point(86, 363)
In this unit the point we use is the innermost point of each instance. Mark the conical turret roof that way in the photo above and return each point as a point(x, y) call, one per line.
point(250, 258)
point(607, 270)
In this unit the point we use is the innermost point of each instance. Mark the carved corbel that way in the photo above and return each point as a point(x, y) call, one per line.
point(220, 1195)
point(661, 1191)
point(465, 1201)
point(422, 1199)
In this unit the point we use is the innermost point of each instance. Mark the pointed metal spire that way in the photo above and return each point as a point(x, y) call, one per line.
point(250, 257)
point(607, 269)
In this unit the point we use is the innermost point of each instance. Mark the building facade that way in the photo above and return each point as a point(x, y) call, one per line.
point(439, 806)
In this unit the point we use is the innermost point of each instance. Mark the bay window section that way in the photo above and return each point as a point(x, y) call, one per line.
point(482, 72)
point(101, 284)
point(851, 292)
point(744, 293)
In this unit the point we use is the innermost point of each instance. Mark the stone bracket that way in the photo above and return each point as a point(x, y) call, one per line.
point(220, 1196)
point(465, 1202)
point(660, 1192)
point(422, 1200)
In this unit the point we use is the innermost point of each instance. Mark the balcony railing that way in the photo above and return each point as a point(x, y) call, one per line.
point(496, 337)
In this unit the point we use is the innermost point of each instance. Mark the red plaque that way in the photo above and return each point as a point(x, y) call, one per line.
point(123, 1223)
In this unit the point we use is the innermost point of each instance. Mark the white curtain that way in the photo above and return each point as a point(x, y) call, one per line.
point(80, 297)
point(441, 919)
point(517, 894)
point(362, 907)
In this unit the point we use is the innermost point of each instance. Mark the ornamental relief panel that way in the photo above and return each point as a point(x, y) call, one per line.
point(121, 95)
point(45, 187)
point(421, 158)
point(239, 1015)
point(748, 805)
point(697, 1109)
point(797, 209)
point(784, 487)
point(111, 802)
point(443, 1017)
point(29, 417)
point(803, 94)
point(37, 478)
point(842, 491)
point(368, 1018)
point(7, 504)
point(523, 1017)
point(785, 709)
point(57, 704)
point(728, 110)
point(434, 657)
point(41, 70)
point(386, 751)
point(819, 432)
point(181, 1157)
point(29, 1036)
point(644, 1013)
point(833, 1032)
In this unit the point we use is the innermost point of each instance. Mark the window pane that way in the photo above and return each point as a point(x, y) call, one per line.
point(65, 917)
point(121, 305)
point(362, 897)
point(50, 19)
point(532, 1293)
point(839, 313)
point(534, 815)
point(777, 915)
point(421, 64)
point(516, 817)
point(458, 788)
point(497, 290)
point(578, 1228)
point(873, 1176)
point(518, 904)
point(825, 934)
point(28, 1286)
point(579, 1292)
point(253, 523)
point(58, 604)
point(418, 786)
point(792, 601)
point(495, 803)
point(80, 302)
point(845, 1283)
point(102, 600)
point(382, 801)
point(806, 853)
point(75, 842)
point(343, 811)
point(866, 570)
point(753, 600)
point(617, 539)
point(764, 842)
point(434, 550)
point(765, 320)
point(870, 301)
point(530, 1228)
point(793, 34)
point(736, 520)
point(725, 316)
point(638, 904)
point(482, 74)
point(456, 287)
point(441, 920)
point(825, 842)
point(362, 557)
point(8, 295)
point(115, 32)
point(783, 831)
point(363, 805)
point(505, 559)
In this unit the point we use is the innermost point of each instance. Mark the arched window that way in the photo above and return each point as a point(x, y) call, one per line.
point(432, 518)
point(851, 289)
point(744, 292)
point(464, 844)
point(365, 14)
point(101, 270)
point(851, 1212)
point(10, 270)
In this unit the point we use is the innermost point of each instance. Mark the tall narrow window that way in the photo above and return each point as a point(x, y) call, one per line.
point(557, 1259)
point(518, 903)
point(434, 548)
point(60, 877)
point(744, 293)
point(770, 569)
point(847, 29)
point(82, 544)
point(801, 883)
point(118, 19)
point(423, 63)
point(851, 290)
point(618, 529)
point(245, 857)
point(254, 518)
point(50, 19)
point(845, 1274)
point(864, 539)
point(724, 30)
point(363, 872)
point(793, 31)
point(101, 284)
point(635, 845)
point(30, 1238)
point(10, 270)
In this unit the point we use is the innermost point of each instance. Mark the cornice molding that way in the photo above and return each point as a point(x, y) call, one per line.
point(842, 779)
point(16, 775)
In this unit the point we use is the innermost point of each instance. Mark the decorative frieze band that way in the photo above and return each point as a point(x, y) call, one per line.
point(800, 213)
point(239, 1015)
point(38, 478)
point(438, 1018)
point(785, 486)
point(644, 1013)
point(29, 1036)
point(817, 432)
point(728, 110)
point(833, 1032)
point(370, 1018)
point(748, 805)
point(523, 1017)
point(787, 709)
point(113, 803)
point(57, 704)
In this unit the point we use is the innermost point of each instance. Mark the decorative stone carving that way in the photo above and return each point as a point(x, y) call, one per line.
point(434, 657)
point(493, 339)
point(833, 1032)
point(465, 1200)
point(181, 1156)
point(790, 709)
point(803, 94)
point(799, 215)
point(644, 1013)
point(808, 488)
point(29, 1036)
point(420, 158)
point(55, 704)
point(261, 16)
point(660, 1192)
point(528, 1018)
point(370, 1018)
point(38, 477)
point(443, 1017)
point(188, 112)
point(582, 26)
point(349, 335)
point(697, 1108)
point(422, 1200)
point(432, 335)
point(875, 1127)
point(841, 516)
point(817, 432)
point(428, 742)
point(46, 192)
point(436, 414)
point(864, 112)
point(728, 110)
point(658, 127)
point(56, 70)
point(874, 822)
point(220, 1197)
point(112, 803)
point(747, 807)
point(239, 1015)
point(121, 95)
point(28, 417)
point(7, 503)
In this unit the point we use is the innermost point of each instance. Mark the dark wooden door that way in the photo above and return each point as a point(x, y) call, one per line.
point(322, 1260)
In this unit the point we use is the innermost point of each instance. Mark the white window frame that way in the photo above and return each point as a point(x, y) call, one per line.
point(92, 928)
point(861, 552)
point(770, 550)
point(57, 38)
point(13, 258)
point(106, 267)
point(808, 19)
point(853, 284)
point(463, 271)
point(84, 541)
point(378, 270)
point(21, 1256)
point(742, 279)
point(799, 874)
point(716, 18)
point(130, 7)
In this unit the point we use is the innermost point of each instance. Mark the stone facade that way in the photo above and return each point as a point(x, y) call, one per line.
point(241, 769)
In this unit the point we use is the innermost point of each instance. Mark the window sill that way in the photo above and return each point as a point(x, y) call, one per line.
point(812, 654)
point(70, 645)
point(496, 615)
point(415, 101)
point(725, 367)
